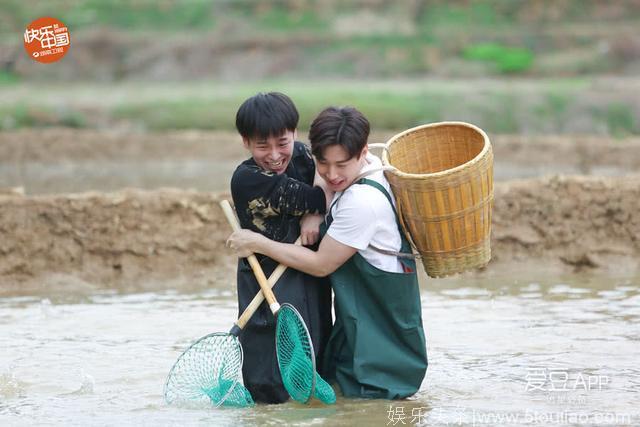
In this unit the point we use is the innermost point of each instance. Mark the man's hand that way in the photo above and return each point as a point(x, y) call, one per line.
point(310, 228)
point(244, 242)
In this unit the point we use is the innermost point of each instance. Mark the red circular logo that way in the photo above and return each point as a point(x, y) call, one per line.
point(47, 39)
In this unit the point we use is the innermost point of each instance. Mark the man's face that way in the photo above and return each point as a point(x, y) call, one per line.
point(273, 153)
point(337, 169)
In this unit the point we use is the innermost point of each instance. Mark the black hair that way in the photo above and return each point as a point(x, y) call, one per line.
point(265, 115)
point(344, 126)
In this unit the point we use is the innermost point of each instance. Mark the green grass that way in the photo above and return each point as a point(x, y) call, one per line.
point(533, 107)
point(24, 115)
point(163, 15)
point(553, 109)
point(384, 109)
point(506, 59)
point(619, 119)
point(283, 20)
point(281, 15)
point(417, 37)
point(8, 78)
point(474, 13)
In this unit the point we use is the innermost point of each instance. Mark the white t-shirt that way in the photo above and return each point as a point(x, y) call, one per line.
point(363, 216)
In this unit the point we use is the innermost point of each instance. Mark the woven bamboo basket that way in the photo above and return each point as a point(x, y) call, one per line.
point(442, 178)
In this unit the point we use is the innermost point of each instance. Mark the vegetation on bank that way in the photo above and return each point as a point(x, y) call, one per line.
point(510, 66)
point(528, 107)
point(335, 38)
point(310, 15)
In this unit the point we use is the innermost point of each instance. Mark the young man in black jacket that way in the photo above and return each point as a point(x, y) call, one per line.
point(274, 195)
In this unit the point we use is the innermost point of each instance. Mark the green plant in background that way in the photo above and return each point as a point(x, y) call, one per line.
point(469, 14)
point(162, 15)
point(23, 115)
point(540, 106)
point(72, 119)
point(553, 110)
point(496, 113)
point(506, 59)
point(16, 116)
point(619, 119)
point(281, 19)
point(8, 78)
point(187, 114)
point(154, 15)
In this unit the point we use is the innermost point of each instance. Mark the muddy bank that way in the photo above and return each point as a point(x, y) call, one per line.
point(61, 160)
point(568, 224)
point(559, 224)
point(130, 237)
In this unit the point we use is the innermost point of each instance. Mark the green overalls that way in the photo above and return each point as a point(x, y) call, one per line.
point(377, 346)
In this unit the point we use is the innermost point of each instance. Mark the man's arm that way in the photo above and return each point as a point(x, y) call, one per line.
point(330, 255)
point(281, 193)
point(310, 223)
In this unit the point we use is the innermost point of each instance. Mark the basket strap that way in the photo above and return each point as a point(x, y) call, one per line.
point(398, 224)
point(398, 212)
point(403, 224)
point(402, 228)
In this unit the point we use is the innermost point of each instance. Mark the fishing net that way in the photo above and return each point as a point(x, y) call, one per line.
point(296, 359)
point(324, 392)
point(208, 372)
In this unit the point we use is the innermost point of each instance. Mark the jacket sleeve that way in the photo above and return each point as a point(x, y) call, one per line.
point(285, 195)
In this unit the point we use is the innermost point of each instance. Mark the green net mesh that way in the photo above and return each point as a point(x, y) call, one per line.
point(324, 392)
point(239, 397)
point(296, 359)
point(208, 372)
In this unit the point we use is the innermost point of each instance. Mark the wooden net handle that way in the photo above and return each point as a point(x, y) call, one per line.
point(257, 300)
point(253, 261)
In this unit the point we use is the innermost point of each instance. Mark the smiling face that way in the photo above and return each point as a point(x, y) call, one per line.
point(274, 153)
point(337, 169)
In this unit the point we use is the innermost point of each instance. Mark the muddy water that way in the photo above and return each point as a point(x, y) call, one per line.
point(502, 352)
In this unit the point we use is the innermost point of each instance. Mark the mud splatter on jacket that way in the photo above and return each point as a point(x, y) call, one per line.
point(273, 204)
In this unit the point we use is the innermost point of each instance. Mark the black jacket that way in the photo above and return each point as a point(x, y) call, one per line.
point(272, 205)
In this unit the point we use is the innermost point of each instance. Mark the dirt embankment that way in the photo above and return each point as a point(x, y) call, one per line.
point(560, 223)
point(568, 223)
point(128, 237)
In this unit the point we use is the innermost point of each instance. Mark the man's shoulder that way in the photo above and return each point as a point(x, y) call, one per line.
point(363, 190)
point(248, 172)
point(301, 149)
point(302, 162)
point(247, 166)
point(366, 196)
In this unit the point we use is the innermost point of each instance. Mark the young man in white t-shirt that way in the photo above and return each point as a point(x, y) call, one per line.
point(363, 219)
point(377, 346)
